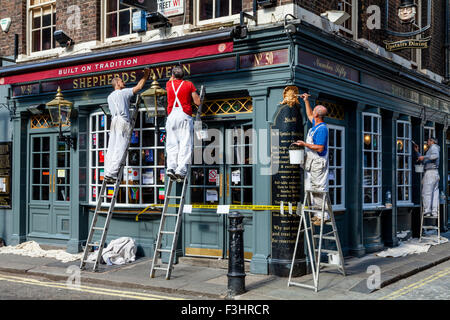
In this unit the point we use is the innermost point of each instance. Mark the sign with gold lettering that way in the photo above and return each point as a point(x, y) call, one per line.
point(328, 66)
point(262, 59)
point(286, 187)
point(121, 63)
point(408, 44)
point(128, 76)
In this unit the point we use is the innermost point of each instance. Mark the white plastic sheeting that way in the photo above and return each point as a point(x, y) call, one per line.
point(411, 246)
point(118, 251)
point(32, 249)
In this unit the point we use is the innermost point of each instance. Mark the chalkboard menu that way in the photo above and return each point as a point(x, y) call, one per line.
point(287, 185)
point(5, 175)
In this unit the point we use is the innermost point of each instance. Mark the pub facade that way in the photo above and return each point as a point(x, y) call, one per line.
point(377, 107)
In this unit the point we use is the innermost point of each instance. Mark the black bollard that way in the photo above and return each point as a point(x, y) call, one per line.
point(236, 270)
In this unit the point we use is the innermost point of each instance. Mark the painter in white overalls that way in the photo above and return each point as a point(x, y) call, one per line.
point(316, 147)
point(316, 169)
point(119, 105)
point(179, 124)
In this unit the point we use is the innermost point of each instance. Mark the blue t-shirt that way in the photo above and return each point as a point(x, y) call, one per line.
point(320, 136)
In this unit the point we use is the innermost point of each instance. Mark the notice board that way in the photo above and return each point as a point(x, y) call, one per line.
point(5, 175)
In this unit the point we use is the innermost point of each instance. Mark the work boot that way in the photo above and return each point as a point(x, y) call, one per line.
point(171, 174)
point(110, 180)
point(180, 177)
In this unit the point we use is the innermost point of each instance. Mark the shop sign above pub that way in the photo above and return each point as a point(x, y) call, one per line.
point(406, 13)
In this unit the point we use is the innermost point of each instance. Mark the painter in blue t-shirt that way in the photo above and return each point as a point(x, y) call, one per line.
point(320, 136)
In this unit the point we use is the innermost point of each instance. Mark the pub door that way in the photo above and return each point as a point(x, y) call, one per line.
point(49, 188)
point(221, 174)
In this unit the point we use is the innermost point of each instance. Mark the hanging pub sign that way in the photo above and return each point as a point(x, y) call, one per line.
point(407, 12)
point(408, 44)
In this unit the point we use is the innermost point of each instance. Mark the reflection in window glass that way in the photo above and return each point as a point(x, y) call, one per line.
point(371, 137)
point(336, 165)
point(144, 174)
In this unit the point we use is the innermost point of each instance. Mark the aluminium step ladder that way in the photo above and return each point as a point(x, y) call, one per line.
point(103, 194)
point(178, 216)
point(430, 227)
point(315, 250)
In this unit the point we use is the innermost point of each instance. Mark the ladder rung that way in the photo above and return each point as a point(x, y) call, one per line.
point(430, 227)
point(174, 197)
point(326, 264)
point(313, 210)
point(327, 251)
point(324, 237)
point(98, 228)
point(170, 215)
point(168, 232)
point(164, 250)
point(160, 268)
point(431, 217)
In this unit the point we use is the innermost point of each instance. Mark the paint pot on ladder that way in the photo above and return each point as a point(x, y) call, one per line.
point(333, 259)
point(296, 154)
point(418, 168)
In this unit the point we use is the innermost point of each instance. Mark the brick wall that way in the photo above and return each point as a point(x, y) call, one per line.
point(90, 12)
point(14, 9)
point(89, 19)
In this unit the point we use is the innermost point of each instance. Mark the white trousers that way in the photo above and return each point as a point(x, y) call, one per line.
point(317, 179)
point(118, 145)
point(430, 191)
point(179, 140)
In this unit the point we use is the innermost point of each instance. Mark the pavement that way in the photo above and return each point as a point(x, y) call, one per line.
point(207, 279)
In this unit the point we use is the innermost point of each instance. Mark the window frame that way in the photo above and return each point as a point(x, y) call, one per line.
point(198, 22)
point(341, 129)
point(353, 19)
point(372, 186)
point(155, 166)
point(29, 27)
point(103, 28)
point(408, 154)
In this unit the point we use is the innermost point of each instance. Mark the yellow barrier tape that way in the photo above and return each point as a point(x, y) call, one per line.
point(232, 207)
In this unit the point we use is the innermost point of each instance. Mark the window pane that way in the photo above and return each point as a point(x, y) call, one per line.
point(367, 124)
point(36, 19)
point(400, 130)
point(197, 176)
point(367, 195)
point(332, 133)
point(400, 194)
point(148, 195)
point(367, 177)
point(222, 8)
point(248, 196)
point(36, 176)
point(235, 195)
point(375, 124)
point(36, 194)
point(148, 177)
point(197, 195)
point(45, 193)
point(111, 5)
point(45, 160)
point(37, 160)
point(206, 9)
point(47, 18)
point(148, 157)
point(248, 176)
point(124, 22)
point(111, 25)
point(46, 39)
point(36, 41)
point(236, 6)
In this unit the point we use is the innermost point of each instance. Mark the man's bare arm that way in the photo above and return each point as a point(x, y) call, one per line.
point(315, 147)
point(196, 98)
point(309, 112)
point(141, 82)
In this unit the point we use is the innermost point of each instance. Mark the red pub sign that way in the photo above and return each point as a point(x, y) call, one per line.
point(122, 63)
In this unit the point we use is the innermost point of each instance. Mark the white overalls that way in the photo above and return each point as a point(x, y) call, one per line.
point(316, 171)
point(180, 138)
